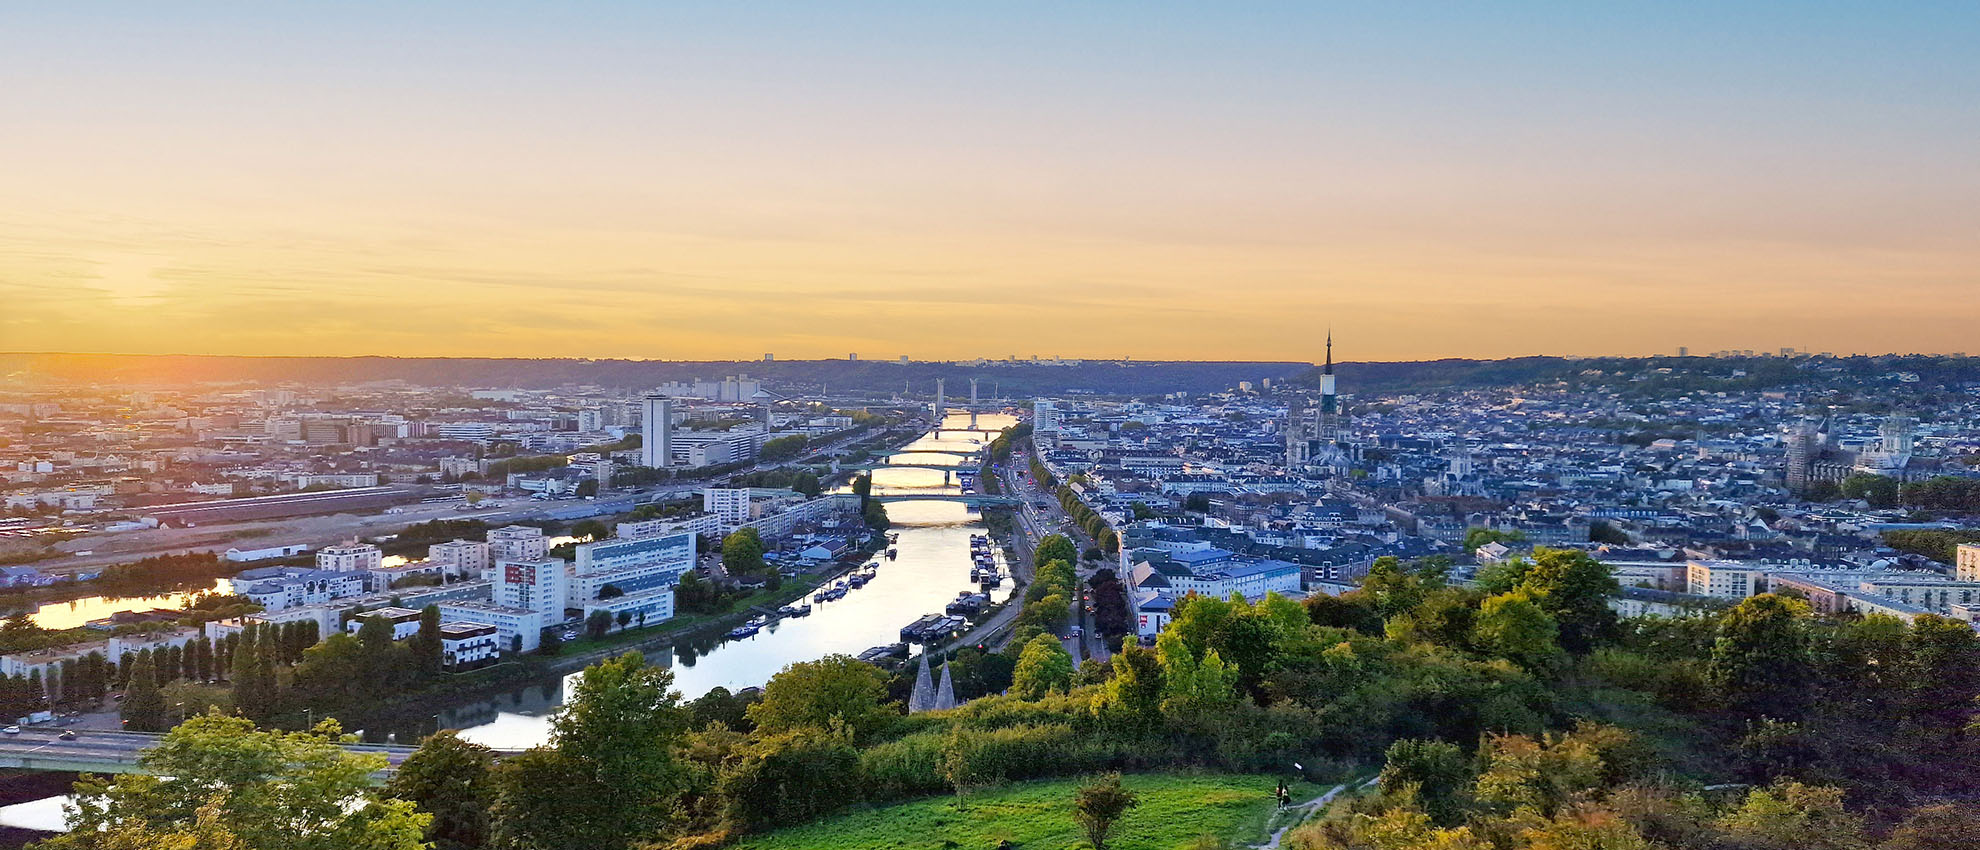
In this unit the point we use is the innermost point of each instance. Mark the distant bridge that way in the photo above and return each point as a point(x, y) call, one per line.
point(869, 467)
point(118, 752)
point(976, 499)
point(956, 452)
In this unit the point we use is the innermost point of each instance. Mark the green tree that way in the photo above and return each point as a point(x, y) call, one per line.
point(1793, 816)
point(1574, 589)
point(875, 516)
point(1939, 826)
point(1133, 697)
point(790, 777)
point(254, 678)
point(1098, 807)
point(1439, 772)
point(1941, 676)
point(1513, 627)
point(1194, 688)
point(448, 779)
point(144, 704)
point(586, 489)
point(275, 790)
point(598, 623)
point(609, 778)
point(1043, 667)
point(1760, 662)
point(835, 691)
point(1880, 491)
point(425, 645)
point(1054, 547)
point(1476, 537)
point(590, 529)
point(742, 552)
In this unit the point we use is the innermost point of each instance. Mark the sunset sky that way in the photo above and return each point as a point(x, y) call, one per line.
point(946, 180)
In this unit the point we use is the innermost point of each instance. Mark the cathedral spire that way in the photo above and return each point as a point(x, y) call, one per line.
point(1329, 369)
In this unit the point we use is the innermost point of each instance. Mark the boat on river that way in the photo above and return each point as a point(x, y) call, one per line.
point(745, 630)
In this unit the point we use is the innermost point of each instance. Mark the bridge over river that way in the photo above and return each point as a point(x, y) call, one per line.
point(974, 499)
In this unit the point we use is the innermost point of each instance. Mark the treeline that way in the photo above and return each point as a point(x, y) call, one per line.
point(165, 572)
point(1090, 521)
point(1939, 544)
point(644, 476)
point(784, 448)
point(285, 673)
point(1942, 493)
point(419, 535)
point(804, 481)
point(1054, 585)
point(1046, 480)
point(499, 470)
point(237, 658)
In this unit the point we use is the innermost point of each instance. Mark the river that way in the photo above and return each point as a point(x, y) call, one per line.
point(931, 568)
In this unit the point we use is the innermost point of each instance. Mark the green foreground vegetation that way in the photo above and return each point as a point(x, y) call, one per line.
point(1171, 811)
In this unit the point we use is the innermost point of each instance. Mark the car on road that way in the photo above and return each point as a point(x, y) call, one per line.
point(67, 735)
point(12, 730)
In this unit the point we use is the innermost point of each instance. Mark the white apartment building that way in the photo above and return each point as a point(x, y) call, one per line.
point(461, 558)
point(349, 558)
point(278, 588)
point(336, 479)
point(517, 543)
point(513, 626)
point(466, 644)
point(640, 609)
point(1725, 579)
point(405, 621)
point(539, 586)
point(730, 505)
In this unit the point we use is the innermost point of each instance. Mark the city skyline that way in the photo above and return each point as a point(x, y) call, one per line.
point(620, 182)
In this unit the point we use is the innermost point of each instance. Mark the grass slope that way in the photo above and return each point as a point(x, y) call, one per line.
point(1174, 810)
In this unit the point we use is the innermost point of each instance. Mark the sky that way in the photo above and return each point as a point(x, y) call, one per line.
point(953, 180)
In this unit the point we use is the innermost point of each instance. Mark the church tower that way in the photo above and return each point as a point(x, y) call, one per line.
point(1332, 428)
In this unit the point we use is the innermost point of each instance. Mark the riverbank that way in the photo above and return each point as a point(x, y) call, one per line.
point(400, 712)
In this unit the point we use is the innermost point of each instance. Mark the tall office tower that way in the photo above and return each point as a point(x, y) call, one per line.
point(1296, 436)
point(1332, 429)
point(1802, 449)
point(656, 448)
point(972, 392)
point(941, 406)
point(1897, 434)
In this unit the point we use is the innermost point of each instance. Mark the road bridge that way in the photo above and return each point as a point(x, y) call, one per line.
point(956, 452)
point(976, 499)
point(944, 467)
point(116, 752)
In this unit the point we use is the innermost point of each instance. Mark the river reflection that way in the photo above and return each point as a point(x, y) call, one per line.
point(931, 568)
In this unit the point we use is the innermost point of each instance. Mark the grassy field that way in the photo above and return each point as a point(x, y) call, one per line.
point(1174, 811)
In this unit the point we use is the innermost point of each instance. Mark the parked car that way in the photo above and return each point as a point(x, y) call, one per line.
point(12, 730)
